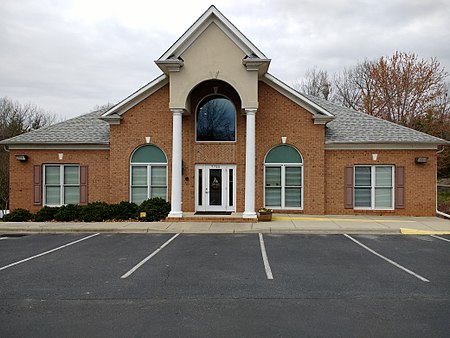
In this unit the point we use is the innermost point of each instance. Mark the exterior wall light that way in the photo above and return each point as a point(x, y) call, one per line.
point(283, 139)
point(60, 156)
point(22, 158)
point(421, 160)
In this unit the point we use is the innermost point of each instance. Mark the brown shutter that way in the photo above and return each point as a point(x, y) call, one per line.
point(83, 184)
point(400, 188)
point(348, 188)
point(37, 185)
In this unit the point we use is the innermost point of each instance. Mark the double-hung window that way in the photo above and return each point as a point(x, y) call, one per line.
point(374, 187)
point(148, 174)
point(61, 184)
point(283, 187)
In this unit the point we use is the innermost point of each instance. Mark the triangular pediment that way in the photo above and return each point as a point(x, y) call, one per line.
point(172, 57)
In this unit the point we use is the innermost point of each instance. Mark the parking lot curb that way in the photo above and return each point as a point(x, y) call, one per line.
point(407, 231)
point(148, 230)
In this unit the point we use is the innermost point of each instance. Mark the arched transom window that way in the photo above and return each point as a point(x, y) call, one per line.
point(283, 178)
point(216, 119)
point(148, 174)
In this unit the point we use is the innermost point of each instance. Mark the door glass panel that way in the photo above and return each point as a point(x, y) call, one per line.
point(215, 187)
point(200, 186)
point(230, 187)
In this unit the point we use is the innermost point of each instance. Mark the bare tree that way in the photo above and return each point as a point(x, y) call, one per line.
point(16, 119)
point(104, 107)
point(317, 83)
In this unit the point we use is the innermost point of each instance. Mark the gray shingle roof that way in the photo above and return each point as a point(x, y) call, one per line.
point(84, 129)
point(350, 126)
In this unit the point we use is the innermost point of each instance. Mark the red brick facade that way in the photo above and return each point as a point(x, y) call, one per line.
point(276, 117)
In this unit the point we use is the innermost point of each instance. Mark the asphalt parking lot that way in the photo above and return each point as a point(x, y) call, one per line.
point(136, 285)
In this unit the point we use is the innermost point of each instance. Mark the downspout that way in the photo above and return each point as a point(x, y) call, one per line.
point(440, 213)
point(5, 147)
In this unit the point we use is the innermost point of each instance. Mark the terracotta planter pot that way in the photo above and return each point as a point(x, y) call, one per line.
point(264, 216)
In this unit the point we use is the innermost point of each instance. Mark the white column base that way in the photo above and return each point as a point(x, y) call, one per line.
point(175, 214)
point(249, 215)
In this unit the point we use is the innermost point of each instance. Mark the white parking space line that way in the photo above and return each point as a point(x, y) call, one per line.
point(154, 253)
point(47, 252)
point(2, 238)
point(265, 258)
point(423, 279)
point(441, 238)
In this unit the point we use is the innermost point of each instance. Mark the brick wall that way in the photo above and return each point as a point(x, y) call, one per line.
point(151, 117)
point(420, 179)
point(278, 116)
point(21, 173)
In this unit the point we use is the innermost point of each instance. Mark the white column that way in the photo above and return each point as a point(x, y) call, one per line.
point(249, 211)
point(176, 164)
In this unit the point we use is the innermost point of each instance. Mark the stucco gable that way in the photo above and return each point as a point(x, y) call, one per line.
point(212, 15)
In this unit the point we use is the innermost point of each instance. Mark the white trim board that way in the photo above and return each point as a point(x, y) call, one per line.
point(380, 146)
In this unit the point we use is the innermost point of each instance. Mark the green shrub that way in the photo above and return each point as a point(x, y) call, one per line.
point(156, 208)
point(123, 211)
point(95, 212)
point(68, 213)
point(18, 215)
point(46, 214)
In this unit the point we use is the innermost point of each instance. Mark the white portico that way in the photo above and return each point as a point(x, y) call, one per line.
point(213, 50)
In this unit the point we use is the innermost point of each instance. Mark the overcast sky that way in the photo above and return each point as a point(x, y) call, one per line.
point(68, 56)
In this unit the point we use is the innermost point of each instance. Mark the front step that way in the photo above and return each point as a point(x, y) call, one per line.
point(233, 218)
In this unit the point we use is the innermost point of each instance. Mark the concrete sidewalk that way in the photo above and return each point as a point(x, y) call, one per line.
point(280, 224)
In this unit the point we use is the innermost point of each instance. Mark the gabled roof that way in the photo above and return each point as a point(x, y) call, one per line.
point(84, 130)
point(113, 115)
point(212, 15)
point(320, 114)
point(353, 127)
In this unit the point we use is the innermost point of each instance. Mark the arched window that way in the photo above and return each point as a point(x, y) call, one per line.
point(283, 178)
point(148, 174)
point(216, 119)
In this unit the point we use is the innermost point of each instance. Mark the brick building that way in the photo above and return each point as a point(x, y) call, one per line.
point(216, 133)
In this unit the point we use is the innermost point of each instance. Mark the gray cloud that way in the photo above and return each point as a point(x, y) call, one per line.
point(67, 66)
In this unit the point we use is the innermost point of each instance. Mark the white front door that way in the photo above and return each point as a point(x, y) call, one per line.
point(215, 188)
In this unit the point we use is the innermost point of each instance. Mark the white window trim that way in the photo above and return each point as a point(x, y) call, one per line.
point(61, 183)
point(283, 186)
point(373, 187)
point(149, 165)
point(235, 120)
